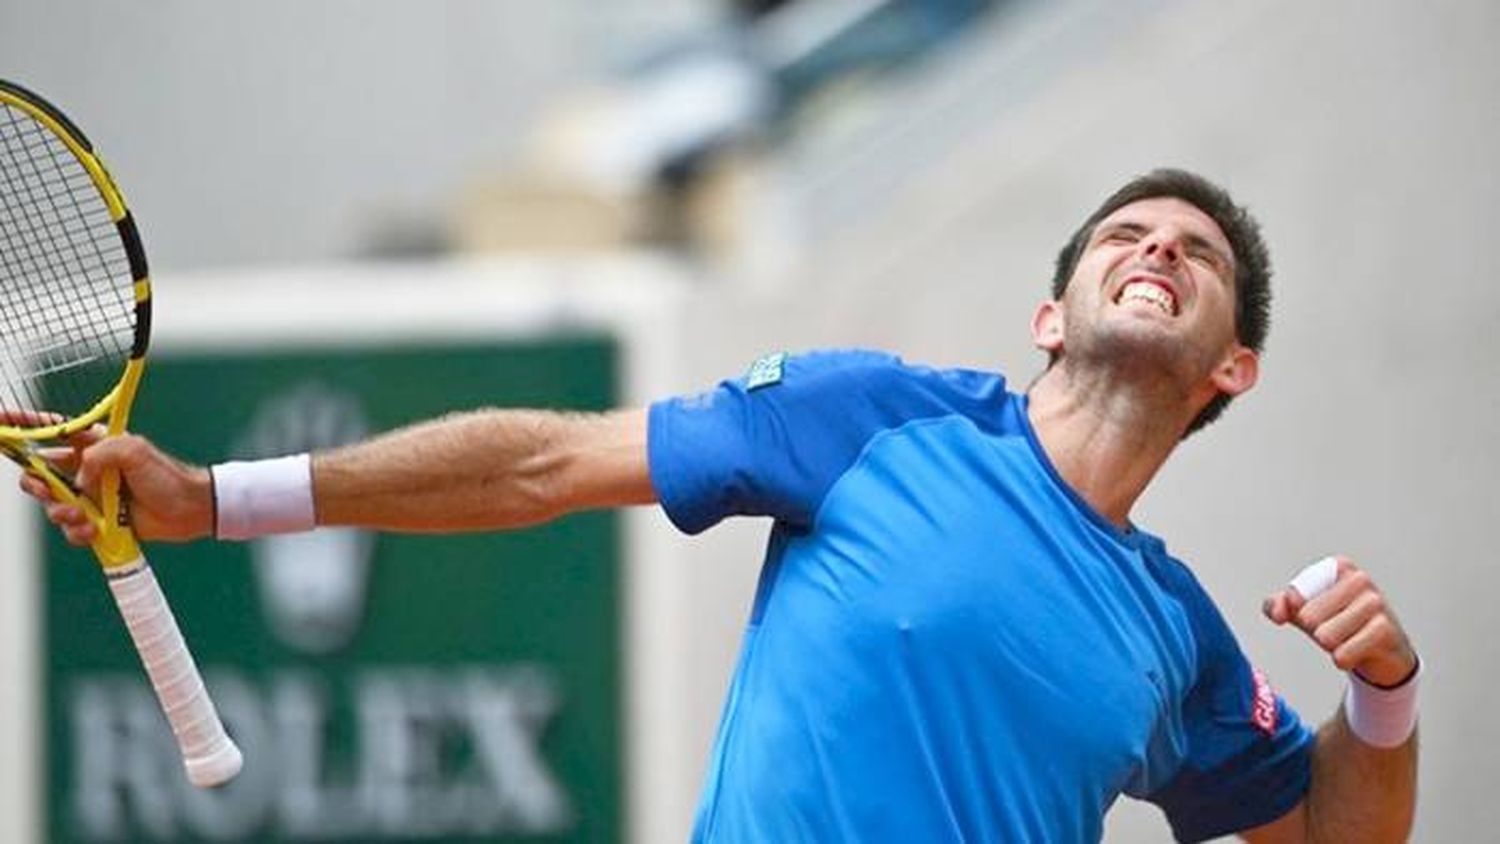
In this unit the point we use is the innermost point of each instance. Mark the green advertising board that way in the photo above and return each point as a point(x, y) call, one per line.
point(384, 688)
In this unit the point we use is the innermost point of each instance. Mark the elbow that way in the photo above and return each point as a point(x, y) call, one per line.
point(540, 490)
point(521, 498)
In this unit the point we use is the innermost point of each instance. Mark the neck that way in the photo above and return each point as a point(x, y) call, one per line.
point(1107, 437)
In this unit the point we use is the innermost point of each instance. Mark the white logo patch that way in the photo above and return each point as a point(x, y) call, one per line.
point(766, 371)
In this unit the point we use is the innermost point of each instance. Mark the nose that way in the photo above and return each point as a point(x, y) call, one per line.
point(1163, 245)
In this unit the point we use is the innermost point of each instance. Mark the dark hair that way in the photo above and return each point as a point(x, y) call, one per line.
point(1252, 262)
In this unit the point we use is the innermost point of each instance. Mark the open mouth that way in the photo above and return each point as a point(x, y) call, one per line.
point(1151, 292)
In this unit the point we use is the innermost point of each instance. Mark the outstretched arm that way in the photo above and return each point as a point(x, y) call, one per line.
point(485, 470)
point(479, 470)
point(1360, 791)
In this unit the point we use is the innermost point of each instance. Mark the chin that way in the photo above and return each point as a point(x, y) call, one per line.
point(1143, 346)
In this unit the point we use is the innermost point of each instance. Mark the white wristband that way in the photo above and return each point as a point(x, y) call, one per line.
point(1382, 717)
point(259, 497)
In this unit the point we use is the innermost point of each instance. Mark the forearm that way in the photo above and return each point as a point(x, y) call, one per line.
point(482, 470)
point(1360, 792)
point(1364, 776)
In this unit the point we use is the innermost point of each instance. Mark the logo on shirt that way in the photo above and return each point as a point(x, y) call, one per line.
point(1263, 708)
point(765, 371)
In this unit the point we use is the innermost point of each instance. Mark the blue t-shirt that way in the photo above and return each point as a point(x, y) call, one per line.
point(947, 643)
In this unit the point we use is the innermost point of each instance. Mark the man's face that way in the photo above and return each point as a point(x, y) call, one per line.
point(1153, 291)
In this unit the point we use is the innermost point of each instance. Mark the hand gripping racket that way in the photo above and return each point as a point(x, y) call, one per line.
point(75, 318)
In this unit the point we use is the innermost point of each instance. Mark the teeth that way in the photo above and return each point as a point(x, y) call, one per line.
point(1145, 291)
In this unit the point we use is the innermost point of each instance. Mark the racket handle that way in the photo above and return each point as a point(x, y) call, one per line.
point(210, 756)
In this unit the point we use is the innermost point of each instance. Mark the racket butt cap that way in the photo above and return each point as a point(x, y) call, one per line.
point(216, 768)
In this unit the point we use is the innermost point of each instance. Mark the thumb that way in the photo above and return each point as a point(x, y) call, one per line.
point(122, 454)
point(1281, 607)
point(1312, 581)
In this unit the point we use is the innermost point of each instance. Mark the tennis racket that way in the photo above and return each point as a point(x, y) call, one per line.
point(75, 319)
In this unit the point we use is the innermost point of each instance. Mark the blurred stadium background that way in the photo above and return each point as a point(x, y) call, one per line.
point(597, 203)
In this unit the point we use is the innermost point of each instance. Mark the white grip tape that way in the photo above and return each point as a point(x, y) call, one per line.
point(210, 756)
point(256, 498)
point(1316, 578)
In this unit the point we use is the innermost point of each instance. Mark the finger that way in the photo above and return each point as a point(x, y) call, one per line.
point(1376, 638)
point(1334, 632)
point(65, 459)
point(29, 418)
point(1281, 606)
point(36, 487)
point(88, 436)
point(66, 515)
point(1315, 579)
point(1330, 603)
point(75, 525)
point(81, 535)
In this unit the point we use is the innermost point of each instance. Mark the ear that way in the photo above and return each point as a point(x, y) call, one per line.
point(1047, 326)
point(1238, 371)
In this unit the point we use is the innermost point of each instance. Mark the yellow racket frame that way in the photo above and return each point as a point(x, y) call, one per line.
point(116, 544)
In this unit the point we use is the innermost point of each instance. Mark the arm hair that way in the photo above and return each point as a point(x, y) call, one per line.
point(485, 470)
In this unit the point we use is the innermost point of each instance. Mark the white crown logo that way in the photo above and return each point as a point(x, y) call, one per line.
point(311, 584)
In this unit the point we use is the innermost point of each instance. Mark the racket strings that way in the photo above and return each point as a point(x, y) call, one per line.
point(80, 231)
point(67, 303)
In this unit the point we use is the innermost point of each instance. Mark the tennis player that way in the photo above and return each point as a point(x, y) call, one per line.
point(959, 633)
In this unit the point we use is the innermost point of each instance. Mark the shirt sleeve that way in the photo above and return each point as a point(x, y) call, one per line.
point(773, 442)
point(1249, 757)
